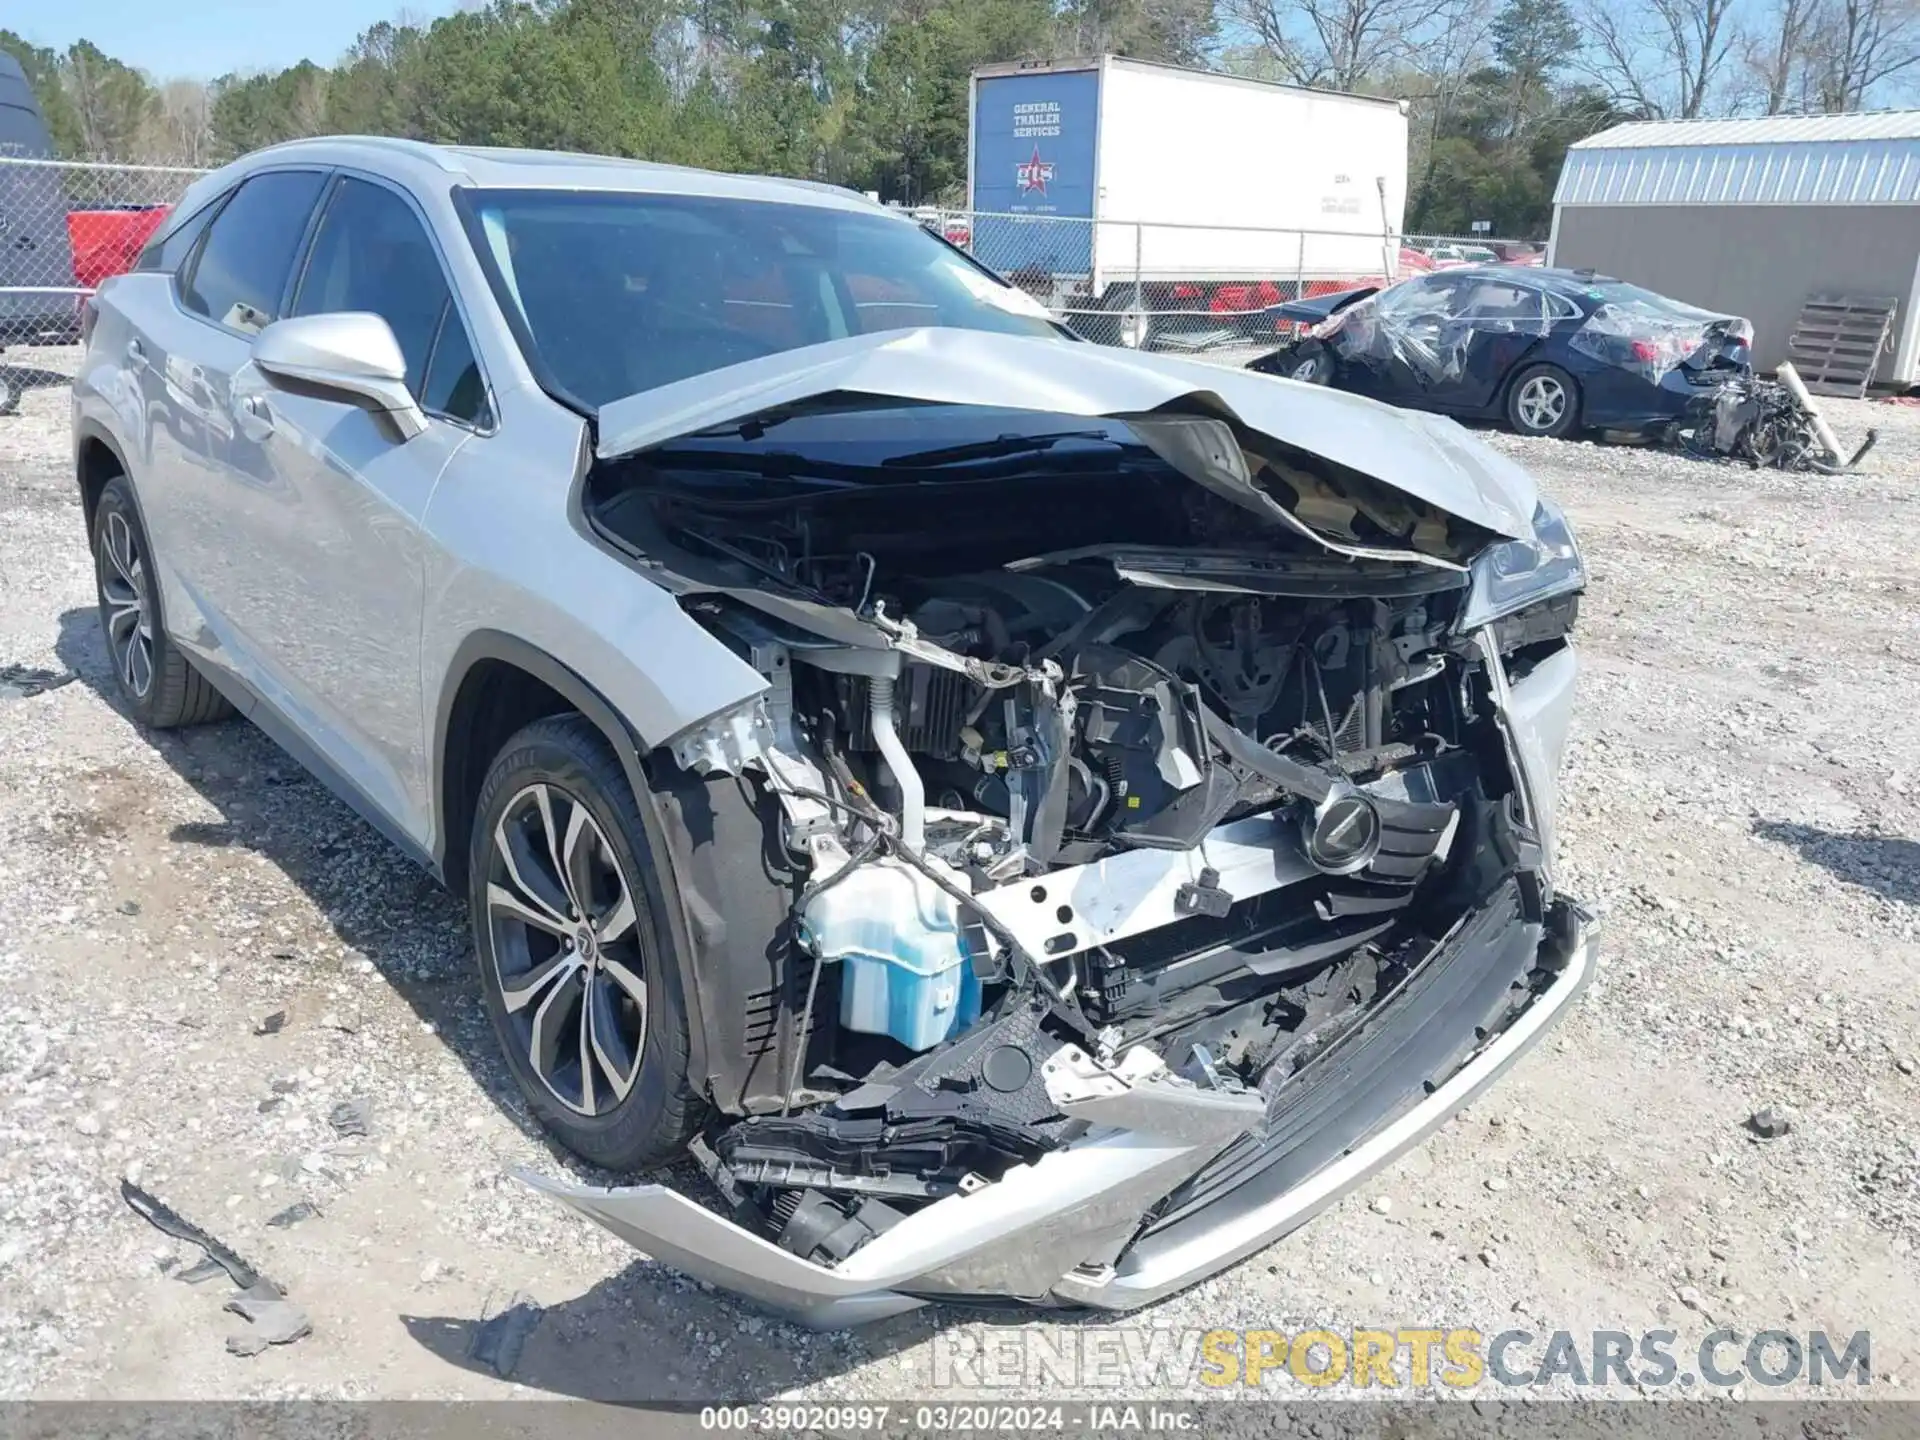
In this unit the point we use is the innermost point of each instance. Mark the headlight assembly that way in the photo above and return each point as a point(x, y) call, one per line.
point(1517, 573)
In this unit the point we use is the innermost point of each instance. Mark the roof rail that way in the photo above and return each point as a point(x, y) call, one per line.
point(394, 144)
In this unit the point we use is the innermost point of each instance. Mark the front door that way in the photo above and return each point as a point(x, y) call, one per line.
point(1396, 345)
point(1495, 322)
point(341, 543)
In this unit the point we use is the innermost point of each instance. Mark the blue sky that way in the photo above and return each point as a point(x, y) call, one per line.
point(204, 38)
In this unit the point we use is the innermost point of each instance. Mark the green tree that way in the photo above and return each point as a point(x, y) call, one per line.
point(1480, 171)
point(911, 128)
point(1533, 42)
point(374, 88)
point(795, 87)
point(1178, 32)
point(112, 102)
point(257, 110)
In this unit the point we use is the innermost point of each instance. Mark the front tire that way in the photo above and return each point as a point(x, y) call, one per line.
point(158, 683)
point(1311, 363)
point(575, 957)
point(1543, 400)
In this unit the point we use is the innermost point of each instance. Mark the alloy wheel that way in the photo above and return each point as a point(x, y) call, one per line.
point(129, 614)
point(1307, 368)
point(1542, 401)
point(567, 949)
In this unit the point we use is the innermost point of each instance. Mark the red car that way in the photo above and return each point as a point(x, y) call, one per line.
point(108, 241)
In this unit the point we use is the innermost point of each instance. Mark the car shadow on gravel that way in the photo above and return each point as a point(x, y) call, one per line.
point(1886, 864)
point(646, 1336)
point(372, 897)
point(649, 1336)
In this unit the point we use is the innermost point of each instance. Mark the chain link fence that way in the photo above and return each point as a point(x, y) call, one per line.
point(64, 227)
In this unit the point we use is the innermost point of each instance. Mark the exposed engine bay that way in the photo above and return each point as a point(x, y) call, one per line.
point(1072, 763)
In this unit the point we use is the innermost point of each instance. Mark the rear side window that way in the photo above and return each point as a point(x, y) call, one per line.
point(168, 252)
point(242, 268)
point(372, 253)
point(1505, 301)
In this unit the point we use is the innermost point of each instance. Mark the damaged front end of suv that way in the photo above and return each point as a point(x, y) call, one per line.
point(1142, 830)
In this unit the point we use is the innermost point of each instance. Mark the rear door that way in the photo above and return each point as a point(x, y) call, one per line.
point(1493, 325)
point(335, 554)
point(193, 338)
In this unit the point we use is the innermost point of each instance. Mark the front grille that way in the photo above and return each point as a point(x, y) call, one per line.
point(1415, 1039)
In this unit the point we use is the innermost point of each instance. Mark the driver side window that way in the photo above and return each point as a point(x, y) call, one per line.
point(1416, 299)
point(371, 253)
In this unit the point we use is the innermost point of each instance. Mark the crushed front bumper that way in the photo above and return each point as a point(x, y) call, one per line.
point(1171, 1182)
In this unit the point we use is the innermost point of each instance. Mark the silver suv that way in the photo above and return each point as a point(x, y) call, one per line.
point(1034, 821)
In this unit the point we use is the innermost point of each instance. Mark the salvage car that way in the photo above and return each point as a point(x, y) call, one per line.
point(1548, 352)
point(1032, 821)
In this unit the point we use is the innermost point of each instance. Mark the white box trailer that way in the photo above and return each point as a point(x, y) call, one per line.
point(1110, 172)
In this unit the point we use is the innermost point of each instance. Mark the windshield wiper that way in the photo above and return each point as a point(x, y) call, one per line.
point(995, 449)
point(753, 427)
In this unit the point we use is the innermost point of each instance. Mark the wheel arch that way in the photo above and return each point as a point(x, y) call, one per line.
point(97, 458)
point(496, 685)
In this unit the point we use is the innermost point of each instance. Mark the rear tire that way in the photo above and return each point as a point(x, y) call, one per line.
point(1543, 400)
point(576, 959)
point(158, 683)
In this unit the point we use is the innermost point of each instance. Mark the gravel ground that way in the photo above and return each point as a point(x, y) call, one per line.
point(1740, 795)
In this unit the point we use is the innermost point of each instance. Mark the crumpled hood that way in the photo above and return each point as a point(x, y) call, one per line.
point(1428, 457)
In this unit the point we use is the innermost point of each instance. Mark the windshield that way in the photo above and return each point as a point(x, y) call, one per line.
point(621, 293)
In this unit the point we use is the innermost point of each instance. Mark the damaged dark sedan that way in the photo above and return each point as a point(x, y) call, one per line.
point(1033, 822)
point(1547, 352)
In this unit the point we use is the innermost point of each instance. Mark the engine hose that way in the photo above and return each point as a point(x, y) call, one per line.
point(913, 790)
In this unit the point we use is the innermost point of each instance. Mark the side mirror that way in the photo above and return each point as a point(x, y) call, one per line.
point(350, 356)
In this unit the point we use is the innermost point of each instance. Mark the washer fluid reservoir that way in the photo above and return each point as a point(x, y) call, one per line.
point(901, 942)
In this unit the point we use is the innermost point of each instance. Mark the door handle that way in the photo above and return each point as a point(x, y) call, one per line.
point(256, 420)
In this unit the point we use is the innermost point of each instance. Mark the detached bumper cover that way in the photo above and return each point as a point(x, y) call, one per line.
point(1172, 1183)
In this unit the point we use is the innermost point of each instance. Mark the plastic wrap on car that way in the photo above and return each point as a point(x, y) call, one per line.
point(1643, 339)
point(1430, 331)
